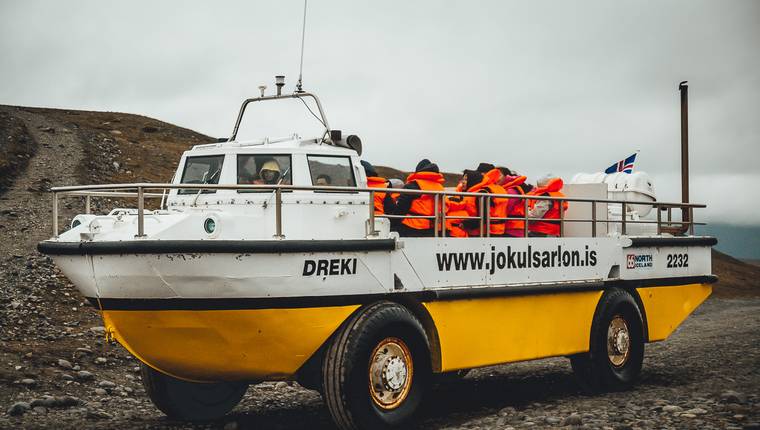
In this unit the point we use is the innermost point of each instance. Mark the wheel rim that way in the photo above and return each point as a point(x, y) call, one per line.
point(390, 373)
point(618, 341)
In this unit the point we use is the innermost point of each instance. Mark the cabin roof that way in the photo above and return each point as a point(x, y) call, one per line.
point(291, 145)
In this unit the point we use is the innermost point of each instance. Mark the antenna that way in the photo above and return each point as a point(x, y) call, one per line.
point(299, 85)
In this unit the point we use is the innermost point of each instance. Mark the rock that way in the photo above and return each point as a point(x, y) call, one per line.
point(100, 392)
point(67, 377)
point(115, 165)
point(509, 410)
point(731, 396)
point(106, 384)
point(97, 330)
point(39, 409)
point(281, 384)
point(82, 352)
point(85, 375)
point(64, 363)
point(45, 402)
point(687, 415)
point(671, 408)
point(18, 408)
point(29, 382)
point(696, 411)
point(149, 129)
point(67, 401)
point(572, 420)
point(232, 425)
point(101, 360)
point(98, 415)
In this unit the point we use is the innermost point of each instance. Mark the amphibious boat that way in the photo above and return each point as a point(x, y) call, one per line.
point(233, 280)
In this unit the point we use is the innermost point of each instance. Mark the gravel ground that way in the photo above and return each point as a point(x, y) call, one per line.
point(57, 372)
point(705, 376)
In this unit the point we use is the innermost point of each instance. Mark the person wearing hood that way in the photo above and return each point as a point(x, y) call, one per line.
point(477, 182)
point(547, 210)
point(426, 177)
point(375, 181)
point(493, 174)
point(456, 206)
point(514, 184)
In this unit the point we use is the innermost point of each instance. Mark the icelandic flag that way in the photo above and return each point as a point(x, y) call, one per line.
point(623, 165)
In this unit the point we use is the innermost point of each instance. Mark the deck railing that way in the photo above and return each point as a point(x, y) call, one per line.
point(141, 192)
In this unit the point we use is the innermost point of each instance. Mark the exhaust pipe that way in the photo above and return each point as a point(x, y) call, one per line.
point(674, 228)
point(684, 88)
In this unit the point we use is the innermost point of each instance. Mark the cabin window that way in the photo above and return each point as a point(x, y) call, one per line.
point(263, 169)
point(202, 170)
point(332, 171)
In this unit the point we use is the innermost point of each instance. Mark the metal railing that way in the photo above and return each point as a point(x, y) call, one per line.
point(439, 218)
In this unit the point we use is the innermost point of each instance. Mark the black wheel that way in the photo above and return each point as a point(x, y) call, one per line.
point(616, 353)
point(191, 401)
point(377, 368)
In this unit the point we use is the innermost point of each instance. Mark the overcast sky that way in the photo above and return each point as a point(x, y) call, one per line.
point(538, 86)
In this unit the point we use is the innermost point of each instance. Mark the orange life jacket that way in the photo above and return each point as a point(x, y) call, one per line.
point(424, 205)
point(455, 207)
point(515, 207)
point(378, 182)
point(498, 205)
point(551, 228)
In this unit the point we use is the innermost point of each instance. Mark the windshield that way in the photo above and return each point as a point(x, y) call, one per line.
point(202, 170)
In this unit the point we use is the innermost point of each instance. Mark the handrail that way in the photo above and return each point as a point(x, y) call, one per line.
point(157, 186)
point(439, 218)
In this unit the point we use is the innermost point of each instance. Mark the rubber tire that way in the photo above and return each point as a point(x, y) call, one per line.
point(593, 369)
point(191, 401)
point(346, 366)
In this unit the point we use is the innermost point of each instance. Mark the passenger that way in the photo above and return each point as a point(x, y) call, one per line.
point(375, 181)
point(456, 206)
point(487, 169)
point(426, 177)
point(513, 184)
point(323, 180)
point(477, 182)
point(547, 210)
point(269, 174)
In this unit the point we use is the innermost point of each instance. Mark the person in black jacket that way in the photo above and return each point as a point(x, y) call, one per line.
point(426, 177)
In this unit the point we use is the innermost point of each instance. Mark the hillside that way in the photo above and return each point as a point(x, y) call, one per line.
point(737, 278)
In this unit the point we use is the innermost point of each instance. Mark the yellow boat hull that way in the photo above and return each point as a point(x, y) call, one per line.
point(271, 344)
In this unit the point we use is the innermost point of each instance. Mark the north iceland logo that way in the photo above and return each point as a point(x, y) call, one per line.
point(639, 261)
